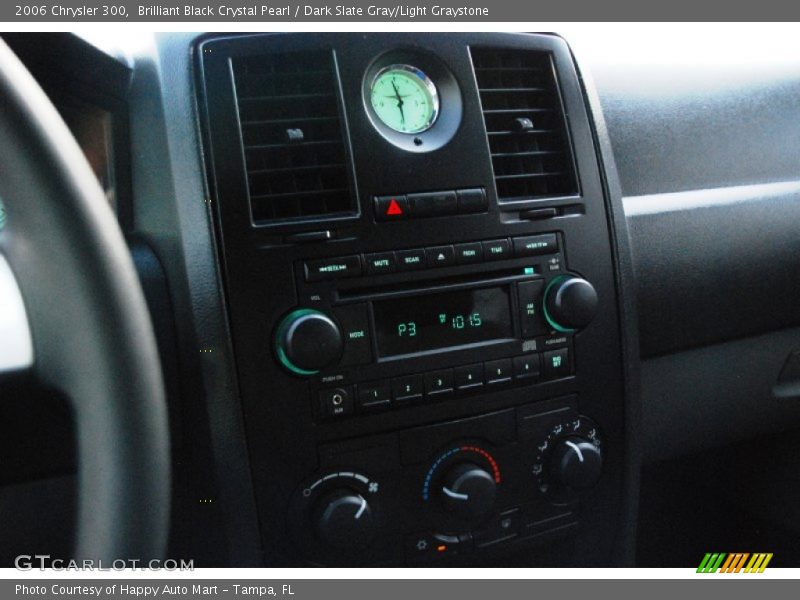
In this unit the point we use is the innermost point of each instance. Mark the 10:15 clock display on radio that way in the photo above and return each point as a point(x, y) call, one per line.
point(442, 320)
point(409, 329)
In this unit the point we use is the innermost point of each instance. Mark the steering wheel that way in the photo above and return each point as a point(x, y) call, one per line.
point(72, 312)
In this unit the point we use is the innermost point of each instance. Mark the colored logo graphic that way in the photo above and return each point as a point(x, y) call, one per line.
point(720, 562)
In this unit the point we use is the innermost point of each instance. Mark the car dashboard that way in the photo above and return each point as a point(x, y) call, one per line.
point(462, 299)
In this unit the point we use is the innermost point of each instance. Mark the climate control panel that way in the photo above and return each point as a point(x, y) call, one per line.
point(454, 489)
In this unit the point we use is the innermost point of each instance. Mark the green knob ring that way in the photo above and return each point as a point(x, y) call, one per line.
point(547, 316)
point(279, 351)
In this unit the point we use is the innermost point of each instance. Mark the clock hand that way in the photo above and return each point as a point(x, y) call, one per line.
point(397, 93)
point(399, 104)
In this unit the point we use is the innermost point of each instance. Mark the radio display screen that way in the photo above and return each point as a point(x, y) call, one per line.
point(433, 321)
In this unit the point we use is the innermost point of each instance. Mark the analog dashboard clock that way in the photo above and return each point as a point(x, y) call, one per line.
point(404, 98)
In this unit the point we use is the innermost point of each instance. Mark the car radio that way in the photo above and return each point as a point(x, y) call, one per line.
point(358, 343)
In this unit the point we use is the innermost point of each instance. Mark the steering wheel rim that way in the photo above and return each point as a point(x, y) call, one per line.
point(91, 330)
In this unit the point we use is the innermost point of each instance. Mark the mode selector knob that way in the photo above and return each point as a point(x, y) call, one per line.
point(344, 520)
point(570, 303)
point(576, 463)
point(307, 341)
point(468, 490)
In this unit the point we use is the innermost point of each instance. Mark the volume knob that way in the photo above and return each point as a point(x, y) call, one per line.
point(307, 341)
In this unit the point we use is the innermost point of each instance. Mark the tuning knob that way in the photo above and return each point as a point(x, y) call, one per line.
point(468, 491)
point(576, 463)
point(307, 341)
point(570, 303)
point(344, 520)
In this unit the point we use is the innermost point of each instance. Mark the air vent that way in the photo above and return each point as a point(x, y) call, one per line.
point(292, 134)
point(525, 124)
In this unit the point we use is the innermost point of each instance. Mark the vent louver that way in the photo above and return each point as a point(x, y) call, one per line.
point(525, 124)
point(294, 147)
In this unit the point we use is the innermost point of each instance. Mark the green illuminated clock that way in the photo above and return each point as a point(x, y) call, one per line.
point(404, 99)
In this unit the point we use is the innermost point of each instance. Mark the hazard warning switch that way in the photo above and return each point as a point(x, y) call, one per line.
point(390, 208)
point(394, 209)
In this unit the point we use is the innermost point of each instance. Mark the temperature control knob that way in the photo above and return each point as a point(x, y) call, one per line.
point(468, 491)
point(570, 303)
point(576, 463)
point(344, 520)
point(307, 341)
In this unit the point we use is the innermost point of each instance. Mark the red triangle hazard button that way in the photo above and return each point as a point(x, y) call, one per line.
point(393, 210)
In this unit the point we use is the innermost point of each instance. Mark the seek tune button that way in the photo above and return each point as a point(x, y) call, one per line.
point(535, 245)
point(333, 268)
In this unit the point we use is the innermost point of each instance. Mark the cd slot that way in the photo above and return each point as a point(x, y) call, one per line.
point(441, 284)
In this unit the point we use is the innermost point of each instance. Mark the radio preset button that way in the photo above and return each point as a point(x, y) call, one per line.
point(410, 260)
point(374, 395)
point(496, 250)
point(336, 402)
point(354, 323)
point(498, 371)
point(526, 367)
point(440, 256)
point(536, 245)
point(469, 377)
point(439, 384)
point(469, 253)
point(408, 388)
point(333, 268)
point(380, 263)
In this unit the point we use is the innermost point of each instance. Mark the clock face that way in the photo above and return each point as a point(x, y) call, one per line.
point(404, 99)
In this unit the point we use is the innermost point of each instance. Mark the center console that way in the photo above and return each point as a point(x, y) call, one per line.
point(418, 263)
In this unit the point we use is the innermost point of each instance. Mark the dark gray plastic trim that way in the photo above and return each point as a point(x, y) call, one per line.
point(629, 335)
point(172, 215)
point(715, 265)
point(716, 395)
